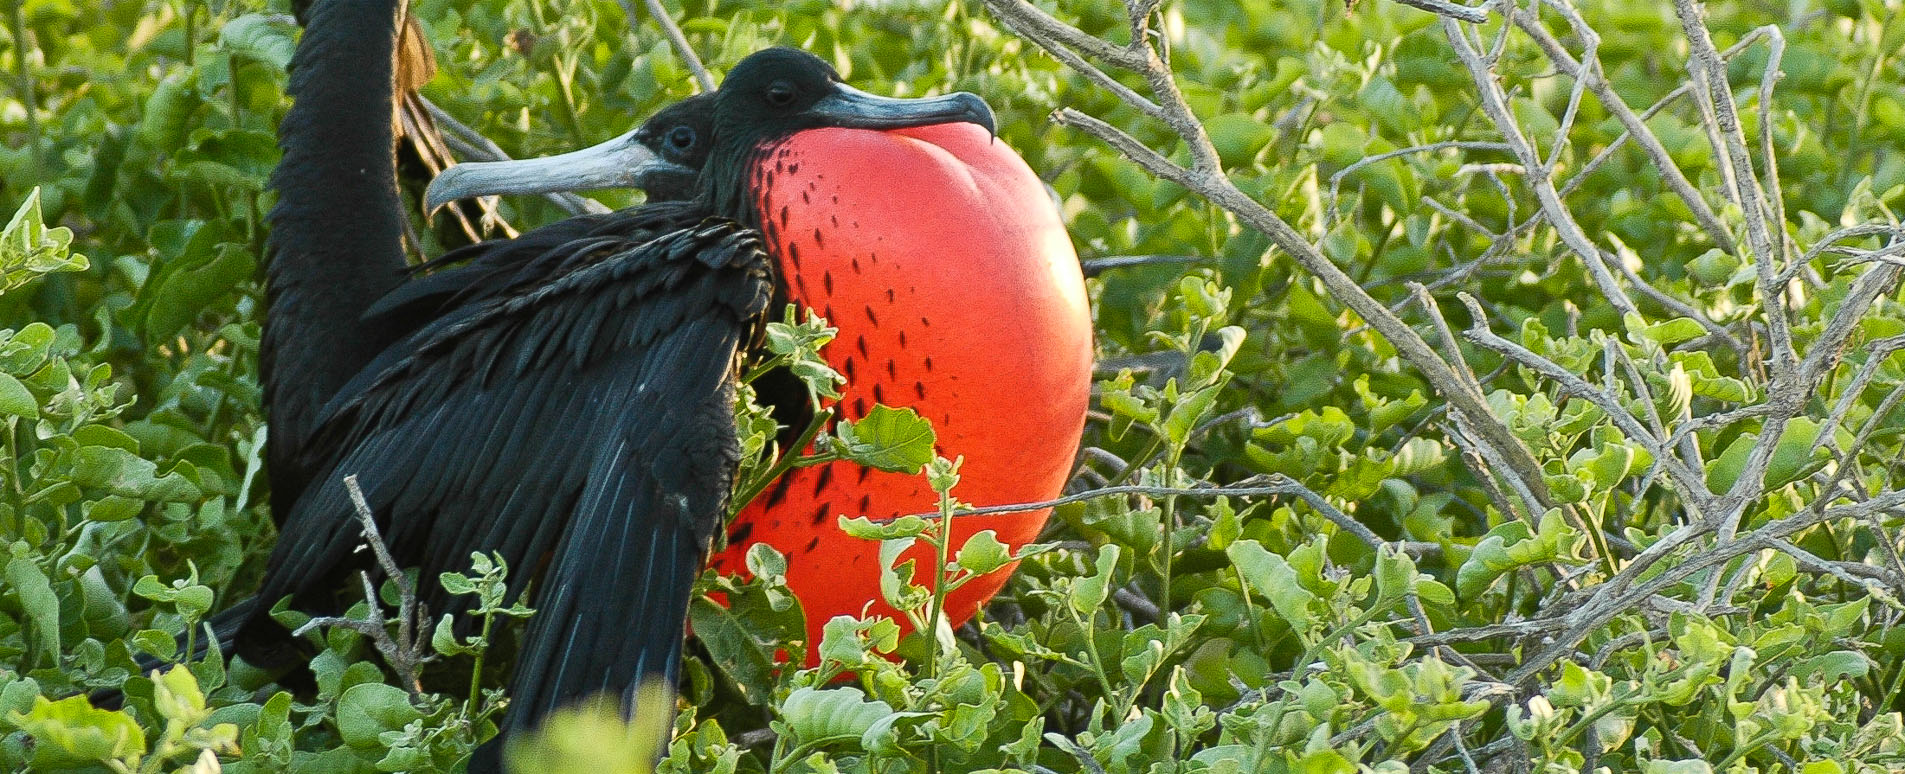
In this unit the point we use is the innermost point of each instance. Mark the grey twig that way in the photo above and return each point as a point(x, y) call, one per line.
point(1451, 10)
point(675, 39)
point(1494, 103)
point(1587, 71)
point(1096, 266)
point(1256, 486)
point(408, 651)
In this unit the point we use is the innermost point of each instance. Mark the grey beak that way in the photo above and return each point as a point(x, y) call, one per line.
point(618, 163)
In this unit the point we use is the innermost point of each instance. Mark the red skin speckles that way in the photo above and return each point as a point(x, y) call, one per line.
point(1004, 366)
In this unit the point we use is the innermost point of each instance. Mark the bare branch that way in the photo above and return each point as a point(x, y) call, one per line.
point(1708, 66)
point(407, 652)
point(1494, 103)
point(1451, 10)
point(1587, 72)
point(1019, 12)
point(1336, 180)
point(1690, 484)
point(1096, 266)
point(1257, 486)
point(675, 38)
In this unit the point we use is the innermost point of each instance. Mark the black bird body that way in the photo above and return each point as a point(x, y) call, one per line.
point(584, 411)
point(565, 397)
point(338, 288)
point(421, 295)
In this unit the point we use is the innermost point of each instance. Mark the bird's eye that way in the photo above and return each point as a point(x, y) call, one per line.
point(681, 137)
point(780, 94)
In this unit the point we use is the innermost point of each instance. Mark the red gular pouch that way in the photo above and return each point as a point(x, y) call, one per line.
point(941, 259)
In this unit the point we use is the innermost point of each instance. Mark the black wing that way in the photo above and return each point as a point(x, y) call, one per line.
point(586, 416)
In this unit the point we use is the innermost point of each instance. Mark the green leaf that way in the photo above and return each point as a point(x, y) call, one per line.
point(29, 249)
point(31, 586)
point(16, 400)
point(456, 583)
point(591, 737)
point(1666, 333)
point(1678, 767)
point(1272, 577)
point(841, 639)
point(1832, 667)
point(1511, 546)
point(1090, 592)
point(798, 345)
point(763, 561)
point(264, 38)
point(177, 697)
point(121, 472)
point(1794, 457)
point(909, 526)
point(983, 553)
point(196, 269)
point(747, 660)
point(890, 439)
point(366, 710)
point(168, 111)
point(817, 715)
point(69, 732)
point(113, 508)
point(1238, 137)
point(443, 639)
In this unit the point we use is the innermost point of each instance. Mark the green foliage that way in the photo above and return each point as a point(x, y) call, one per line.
point(1636, 617)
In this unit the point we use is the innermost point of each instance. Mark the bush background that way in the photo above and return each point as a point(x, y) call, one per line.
point(1671, 543)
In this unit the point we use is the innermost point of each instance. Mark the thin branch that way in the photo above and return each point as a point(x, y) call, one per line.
point(1689, 484)
point(1707, 64)
point(1096, 266)
point(1494, 103)
point(675, 38)
point(1336, 180)
point(1256, 486)
point(407, 652)
point(1607, 603)
point(1588, 71)
point(1449, 9)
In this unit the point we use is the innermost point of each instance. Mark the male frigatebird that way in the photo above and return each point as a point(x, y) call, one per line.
point(577, 408)
point(956, 292)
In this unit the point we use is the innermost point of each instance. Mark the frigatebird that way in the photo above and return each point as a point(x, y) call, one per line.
point(939, 258)
point(578, 407)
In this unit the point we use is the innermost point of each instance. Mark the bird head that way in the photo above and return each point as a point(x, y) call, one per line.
point(769, 95)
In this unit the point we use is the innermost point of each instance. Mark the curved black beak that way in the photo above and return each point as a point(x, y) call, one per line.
point(855, 109)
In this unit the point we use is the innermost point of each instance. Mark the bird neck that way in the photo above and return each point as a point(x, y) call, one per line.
point(337, 231)
point(727, 179)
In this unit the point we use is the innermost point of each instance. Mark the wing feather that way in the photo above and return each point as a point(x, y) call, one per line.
point(583, 415)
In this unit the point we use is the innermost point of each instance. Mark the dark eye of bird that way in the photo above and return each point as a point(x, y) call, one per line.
point(780, 94)
point(681, 137)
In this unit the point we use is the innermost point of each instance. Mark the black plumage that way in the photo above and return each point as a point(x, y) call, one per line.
point(563, 400)
point(584, 412)
point(336, 242)
point(338, 288)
